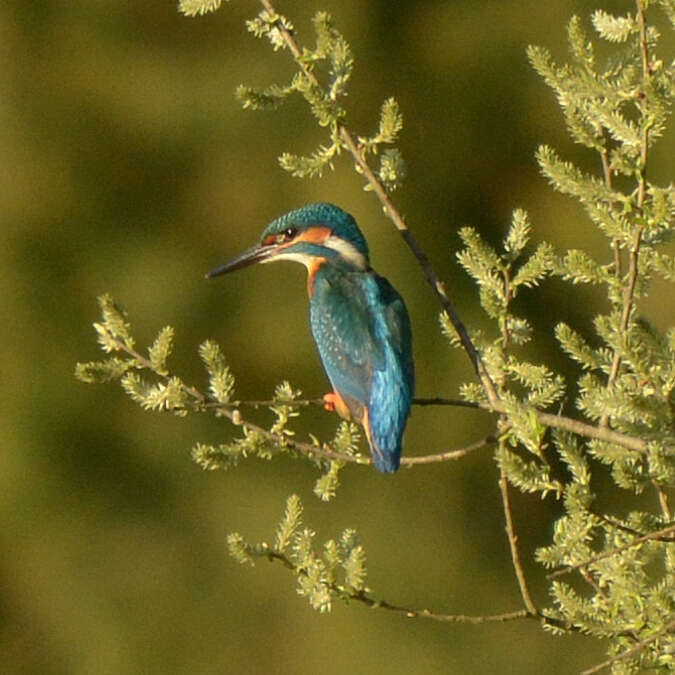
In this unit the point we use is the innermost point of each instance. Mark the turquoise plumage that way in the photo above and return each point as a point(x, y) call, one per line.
point(359, 322)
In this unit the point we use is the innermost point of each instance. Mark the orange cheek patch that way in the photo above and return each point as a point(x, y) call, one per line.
point(315, 235)
point(311, 271)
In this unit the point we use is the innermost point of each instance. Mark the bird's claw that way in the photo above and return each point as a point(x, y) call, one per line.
point(329, 401)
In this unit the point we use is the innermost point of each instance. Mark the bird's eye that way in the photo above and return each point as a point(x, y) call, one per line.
point(286, 235)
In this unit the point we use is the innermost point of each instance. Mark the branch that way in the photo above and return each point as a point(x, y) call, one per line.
point(231, 411)
point(319, 402)
point(373, 603)
point(615, 551)
point(546, 419)
point(451, 454)
point(629, 292)
point(630, 652)
point(513, 545)
point(397, 219)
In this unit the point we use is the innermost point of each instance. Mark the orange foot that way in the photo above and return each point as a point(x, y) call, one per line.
point(333, 403)
point(330, 401)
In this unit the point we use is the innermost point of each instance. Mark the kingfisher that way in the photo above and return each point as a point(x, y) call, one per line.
point(359, 322)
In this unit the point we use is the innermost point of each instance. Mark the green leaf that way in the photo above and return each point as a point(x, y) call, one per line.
point(538, 266)
point(529, 476)
point(239, 549)
point(326, 485)
point(102, 371)
point(114, 325)
point(568, 179)
point(613, 28)
point(268, 24)
point(289, 524)
point(391, 122)
point(161, 349)
point(198, 7)
point(221, 380)
point(269, 98)
point(518, 236)
point(355, 569)
point(392, 169)
point(169, 395)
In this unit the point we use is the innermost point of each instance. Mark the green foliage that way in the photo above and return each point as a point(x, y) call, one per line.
point(169, 395)
point(612, 575)
point(198, 7)
point(221, 380)
point(112, 333)
point(321, 79)
point(161, 349)
point(628, 369)
point(150, 383)
point(500, 278)
point(338, 572)
point(346, 442)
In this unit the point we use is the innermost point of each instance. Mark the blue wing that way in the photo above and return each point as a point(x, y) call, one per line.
point(362, 331)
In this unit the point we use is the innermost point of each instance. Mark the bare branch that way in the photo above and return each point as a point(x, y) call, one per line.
point(513, 545)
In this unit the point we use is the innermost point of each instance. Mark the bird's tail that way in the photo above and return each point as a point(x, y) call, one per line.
point(386, 459)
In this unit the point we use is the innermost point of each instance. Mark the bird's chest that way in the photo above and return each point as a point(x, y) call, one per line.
point(342, 315)
point(332, 315)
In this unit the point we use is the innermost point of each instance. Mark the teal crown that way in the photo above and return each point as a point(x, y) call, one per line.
point(321, 214)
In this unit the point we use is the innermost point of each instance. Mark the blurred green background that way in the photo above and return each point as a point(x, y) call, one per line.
point(130, 169)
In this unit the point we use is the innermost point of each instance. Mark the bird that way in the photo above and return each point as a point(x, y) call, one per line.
point(359, 322)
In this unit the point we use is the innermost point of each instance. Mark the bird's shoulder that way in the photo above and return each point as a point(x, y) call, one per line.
point(364, 304)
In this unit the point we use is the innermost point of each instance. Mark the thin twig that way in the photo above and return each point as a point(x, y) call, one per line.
point(546, 419)
point(663, 502)
point(658, 535)
point(630, 652)
point(364, 598)
point(612, 522)
point(451, 455)
point(513, 545)
point(580, 428)
point(319, 402)
point(607, 174)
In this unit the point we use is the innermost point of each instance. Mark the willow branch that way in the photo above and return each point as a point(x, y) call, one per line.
point(437, 285)
point(633, 259)
point(450, 455)
point(658, 536)
point(319, 402)
point(513, 545)
point(364, 598)
point(546, 419)
point(231, 411)
point(630, 652)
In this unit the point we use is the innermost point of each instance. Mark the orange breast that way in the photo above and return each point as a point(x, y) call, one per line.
point(311, 272)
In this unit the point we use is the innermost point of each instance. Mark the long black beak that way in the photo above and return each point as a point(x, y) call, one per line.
point(255, 254)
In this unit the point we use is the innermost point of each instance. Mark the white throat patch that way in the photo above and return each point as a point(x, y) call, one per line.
point(347, 251)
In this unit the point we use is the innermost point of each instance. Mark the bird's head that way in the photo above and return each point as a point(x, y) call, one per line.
point(310, 235)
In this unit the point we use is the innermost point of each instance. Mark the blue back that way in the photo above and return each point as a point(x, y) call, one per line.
point(362, 330)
